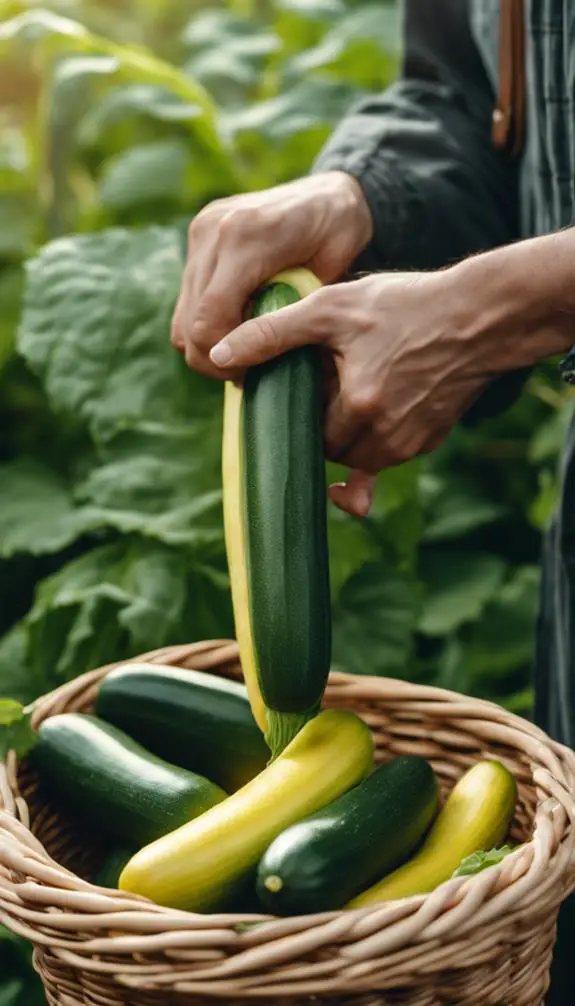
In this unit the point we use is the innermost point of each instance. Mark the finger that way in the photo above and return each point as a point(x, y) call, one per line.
point(343, 427)
point(196, 276)
point(356, 495)
point(222, 303)
point(261, 339)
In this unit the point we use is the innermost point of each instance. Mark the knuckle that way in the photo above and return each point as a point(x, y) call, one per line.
point(204, 220)
point(267, 336)
point(363, 400)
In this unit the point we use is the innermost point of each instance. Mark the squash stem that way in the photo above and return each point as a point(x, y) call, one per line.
point(283, 727)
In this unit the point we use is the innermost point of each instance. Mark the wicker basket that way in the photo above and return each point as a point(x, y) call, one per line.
point(478, 941)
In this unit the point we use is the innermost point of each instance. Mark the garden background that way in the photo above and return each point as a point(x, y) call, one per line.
point(119, 119)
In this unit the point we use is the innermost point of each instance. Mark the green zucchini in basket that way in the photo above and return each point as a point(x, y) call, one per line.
point(322, 861)
point(102, 774)
point(199, 721)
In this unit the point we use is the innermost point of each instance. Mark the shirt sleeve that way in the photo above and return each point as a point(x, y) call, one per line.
point(437, 188)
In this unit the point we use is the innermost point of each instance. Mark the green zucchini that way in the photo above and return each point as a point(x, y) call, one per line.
point(276, 529)
point(476, 815)
point(111, 867)
point(203, 865)
point(106, 776)
point(196, 720)
point(319, 863)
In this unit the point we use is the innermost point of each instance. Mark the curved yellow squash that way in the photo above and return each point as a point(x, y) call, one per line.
point(476, 817)
point(199, 866)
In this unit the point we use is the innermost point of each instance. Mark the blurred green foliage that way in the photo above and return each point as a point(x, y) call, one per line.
point(118, 121)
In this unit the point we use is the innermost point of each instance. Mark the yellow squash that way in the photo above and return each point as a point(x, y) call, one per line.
point(200, 866)
point(476, 816)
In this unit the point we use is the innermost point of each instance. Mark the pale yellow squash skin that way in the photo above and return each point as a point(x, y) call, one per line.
point(197, 867)
point(304, 282)
point(476, 816)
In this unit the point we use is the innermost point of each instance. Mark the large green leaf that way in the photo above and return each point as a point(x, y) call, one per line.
point(228, 52)
point(96, 323)
point(503, 638)
point(163, 482)
point(114, 601)
point(121, 104)
point(459, 585)
point(455, 508)
point(361, 47)
point(37, 511)
point(150, 172)
point(374, 621)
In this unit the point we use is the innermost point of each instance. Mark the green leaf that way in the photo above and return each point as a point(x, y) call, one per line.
point(480, 861)
point(459, 585)
point(96, 323)
point(227, 50)
point(502, 639)
point(458, 508)
point(374, 621)
point(114, 601)
point(121, 104)
point(163, 482)
point(37, 512)
point(16, 734)
point(350, 546)
point(146, 173)
point(361, 47)
point(311, 105)
point(16, 677)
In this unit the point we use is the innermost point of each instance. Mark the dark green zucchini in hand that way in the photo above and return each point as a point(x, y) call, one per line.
point(106, 776)
point(319, 863)
point(196, 720)
point(275, 525)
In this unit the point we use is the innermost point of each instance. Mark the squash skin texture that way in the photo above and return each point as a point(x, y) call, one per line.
point(202, 866)
point(276, 527)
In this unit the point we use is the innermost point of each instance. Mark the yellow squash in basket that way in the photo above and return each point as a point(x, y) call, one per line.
point(201, 866)
point(476, 816)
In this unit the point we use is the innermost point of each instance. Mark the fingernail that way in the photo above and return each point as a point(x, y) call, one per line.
point(221, 354)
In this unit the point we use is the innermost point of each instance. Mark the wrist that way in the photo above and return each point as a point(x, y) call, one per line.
point(352, 206)
point(513, 304)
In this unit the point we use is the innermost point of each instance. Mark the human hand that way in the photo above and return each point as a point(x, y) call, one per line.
point(407, 360)
point(237, 244)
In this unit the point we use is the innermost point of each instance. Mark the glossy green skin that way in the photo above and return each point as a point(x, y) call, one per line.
point(112, 866)
point(104, 775)
point(196, 720)
point(326, 859)
point(286, 527)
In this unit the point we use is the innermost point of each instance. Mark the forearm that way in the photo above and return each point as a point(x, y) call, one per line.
point(422, 152)
point(516, 305)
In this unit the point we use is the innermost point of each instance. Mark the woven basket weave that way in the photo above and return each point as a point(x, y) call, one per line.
point(476, 941)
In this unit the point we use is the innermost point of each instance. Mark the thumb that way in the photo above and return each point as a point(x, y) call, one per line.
point(275, 333)
point(356, 495)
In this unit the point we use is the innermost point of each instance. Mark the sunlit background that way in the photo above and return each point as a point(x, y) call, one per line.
point(117, 122)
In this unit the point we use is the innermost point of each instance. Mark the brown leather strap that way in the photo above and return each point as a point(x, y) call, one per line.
point(508, 126)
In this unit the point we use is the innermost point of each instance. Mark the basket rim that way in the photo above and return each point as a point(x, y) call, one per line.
point(49, 905)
